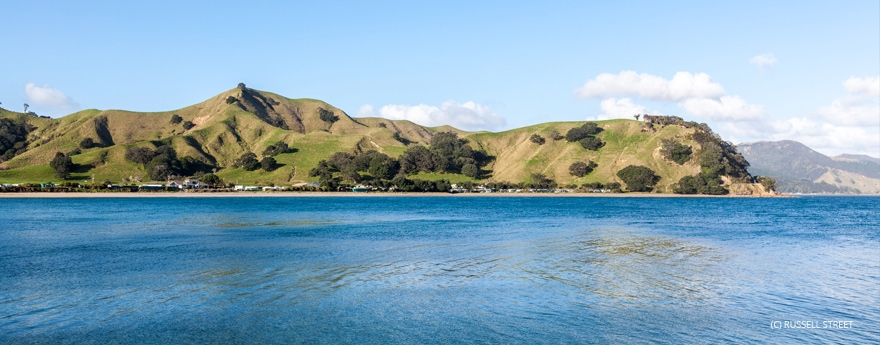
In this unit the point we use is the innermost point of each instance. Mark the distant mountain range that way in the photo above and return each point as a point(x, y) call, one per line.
point(800, 169)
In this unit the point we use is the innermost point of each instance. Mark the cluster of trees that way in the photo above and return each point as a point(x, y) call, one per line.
point(675, 151)
point(163, 163)
point(447, 154)
point(580, 169)
point(249, 160)
point(13, 138)
point(717, 158)
point(638, 178)
point(585, 135)
point(350, 167)
point(700, 184)
point(612, 186)
point(768, 183)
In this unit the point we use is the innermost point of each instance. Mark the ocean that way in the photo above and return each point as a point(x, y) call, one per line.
point(454, 269)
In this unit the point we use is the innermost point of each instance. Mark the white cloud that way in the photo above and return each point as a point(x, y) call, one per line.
point(468, 115)
point(850, 111)
point(45, 96)
point(860, 108)
point(764, 60)
point(683, 85)
point(696, 94)
point(726, 108)
point(613, 108)
point(863, 86)
point(366, 110)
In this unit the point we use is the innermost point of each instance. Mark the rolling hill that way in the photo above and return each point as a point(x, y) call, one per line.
point(219, 130)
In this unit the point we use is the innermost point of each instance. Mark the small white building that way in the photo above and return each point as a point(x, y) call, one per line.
point(247, 188)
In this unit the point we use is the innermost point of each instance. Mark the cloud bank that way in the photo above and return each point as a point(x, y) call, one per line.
point(683, 85)
point(697, 94)
point(467, 116)
point(47, 97)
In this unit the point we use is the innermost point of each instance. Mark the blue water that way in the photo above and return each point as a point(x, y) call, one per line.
point(439, 270)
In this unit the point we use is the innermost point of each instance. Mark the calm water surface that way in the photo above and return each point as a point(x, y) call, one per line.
point(439, 270)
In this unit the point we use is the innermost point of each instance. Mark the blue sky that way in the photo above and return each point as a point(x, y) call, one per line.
point(799, 70)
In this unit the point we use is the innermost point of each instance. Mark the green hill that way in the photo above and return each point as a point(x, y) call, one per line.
point(219, 130)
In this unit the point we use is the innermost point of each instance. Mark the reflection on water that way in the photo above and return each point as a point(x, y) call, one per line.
point(434, 271)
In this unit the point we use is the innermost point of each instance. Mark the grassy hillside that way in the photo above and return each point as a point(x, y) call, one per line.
point(625, 144)
point(242, 120)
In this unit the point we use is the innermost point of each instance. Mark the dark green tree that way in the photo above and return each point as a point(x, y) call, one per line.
point(470, 170)
point(87, 143)
point(175, 119)
point(327, 116)
point(591, 143)
point(187, 125)
point(268, 163)
point(212, 180)
point(638, 178)
point(61, 164)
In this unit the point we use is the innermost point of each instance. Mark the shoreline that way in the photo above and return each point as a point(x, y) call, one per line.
point(72, 195)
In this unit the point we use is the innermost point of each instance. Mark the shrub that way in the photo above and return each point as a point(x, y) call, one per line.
point(87, 143)
point(230, 100)
point(591, 143)
point(187, 125)
point(638, 178)
point(580, 169)
point(555, 135)
point(675, 151)
point(175, 119)
point(327, 116)
point(276, 149)
point(537, 139)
